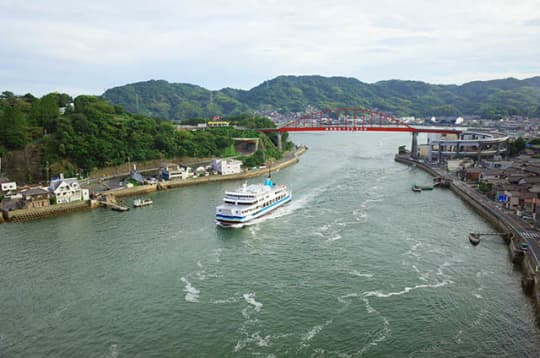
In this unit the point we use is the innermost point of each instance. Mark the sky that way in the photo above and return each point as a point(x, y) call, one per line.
point(87, 47)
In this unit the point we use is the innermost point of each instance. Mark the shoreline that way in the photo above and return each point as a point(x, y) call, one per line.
point(527, 260)
point(23, 215)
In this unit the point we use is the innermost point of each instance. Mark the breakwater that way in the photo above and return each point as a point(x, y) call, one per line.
point(517, 233)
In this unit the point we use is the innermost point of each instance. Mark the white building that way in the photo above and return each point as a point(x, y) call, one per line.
point(8, 186)
point(172, 171)
point(226, 167)
point(67, 190)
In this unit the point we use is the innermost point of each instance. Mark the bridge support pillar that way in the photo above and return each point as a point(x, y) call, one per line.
point(414, 145)
point(279, 142)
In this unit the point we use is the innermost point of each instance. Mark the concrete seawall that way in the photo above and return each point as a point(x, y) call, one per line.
point(486, 213)
point(60, 209)
point(527, 260)
point(144, 189)
point(39, 213)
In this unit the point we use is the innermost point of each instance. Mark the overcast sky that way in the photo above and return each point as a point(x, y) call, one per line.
point(89, 46)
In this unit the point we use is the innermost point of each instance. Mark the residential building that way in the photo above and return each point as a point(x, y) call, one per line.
point(67, 190)
point(35, 198)
point(170, 171)
point(227, 166)
point(7, 186)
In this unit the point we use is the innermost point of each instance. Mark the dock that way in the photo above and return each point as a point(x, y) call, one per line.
point(113, 206)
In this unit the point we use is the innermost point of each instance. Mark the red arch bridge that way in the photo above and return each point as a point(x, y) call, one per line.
point(355, 120)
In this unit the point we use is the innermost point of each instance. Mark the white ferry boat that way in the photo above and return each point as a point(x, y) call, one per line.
point(250, 202)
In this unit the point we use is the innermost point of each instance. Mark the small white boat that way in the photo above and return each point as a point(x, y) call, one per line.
point(139, 203)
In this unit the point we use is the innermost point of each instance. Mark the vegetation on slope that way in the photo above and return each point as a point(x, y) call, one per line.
point(94, 134)
point(489, 99)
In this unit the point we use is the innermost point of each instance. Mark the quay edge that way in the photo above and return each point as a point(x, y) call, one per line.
point(527, 260)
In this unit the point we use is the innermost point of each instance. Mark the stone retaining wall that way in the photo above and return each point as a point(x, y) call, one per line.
point(39, 213)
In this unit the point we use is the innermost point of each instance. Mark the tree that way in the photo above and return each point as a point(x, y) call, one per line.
point(45, 112)
point(13, 129)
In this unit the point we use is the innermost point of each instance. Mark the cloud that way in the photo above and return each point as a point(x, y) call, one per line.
point(532, 22)
point(240, 43)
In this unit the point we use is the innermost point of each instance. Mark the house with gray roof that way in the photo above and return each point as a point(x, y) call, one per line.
point(67, 190)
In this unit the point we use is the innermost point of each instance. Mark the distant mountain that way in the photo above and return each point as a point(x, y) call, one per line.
point(177, 101)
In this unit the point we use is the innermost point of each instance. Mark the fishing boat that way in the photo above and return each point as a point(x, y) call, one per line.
point(474, 238)
point(139, 203)
point(250, 202)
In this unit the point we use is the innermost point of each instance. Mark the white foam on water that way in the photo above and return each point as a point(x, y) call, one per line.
point(114, 351)
point(314, 331)
point(360, 274)
point(406, 290)
point(379, 337)
point(360, 215)
point(369, 308)
point(239, 346)
point(253, 338)
point(250, 298)
point(334, 238)
point(441, 267)
point(192, 294)
point(422, 276)
point(201, 275)
point(226, 301)
point(343, 299)
point(477, 295)
point(413, 250)
point(199, 264)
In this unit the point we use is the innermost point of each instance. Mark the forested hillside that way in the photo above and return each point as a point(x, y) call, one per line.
point(176, 101)
point(37, 139)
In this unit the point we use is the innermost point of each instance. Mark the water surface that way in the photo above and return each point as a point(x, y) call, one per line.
point(356, 265)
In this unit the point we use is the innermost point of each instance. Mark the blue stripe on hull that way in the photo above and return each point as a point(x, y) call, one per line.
point(243, 219)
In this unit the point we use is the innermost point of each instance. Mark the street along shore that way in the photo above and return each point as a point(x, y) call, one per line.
point(61, 209)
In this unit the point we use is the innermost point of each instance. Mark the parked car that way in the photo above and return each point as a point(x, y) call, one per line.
point(150, 180)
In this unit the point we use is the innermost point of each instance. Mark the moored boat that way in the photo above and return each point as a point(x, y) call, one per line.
point(138, 203)
point(416, 189)
point(474, 238)
point(251, 202)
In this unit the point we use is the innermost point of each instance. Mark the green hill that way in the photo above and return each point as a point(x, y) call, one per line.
point(178, 101)
point(38, 140)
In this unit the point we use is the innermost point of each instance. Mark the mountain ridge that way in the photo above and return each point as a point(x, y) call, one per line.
point(289, 93)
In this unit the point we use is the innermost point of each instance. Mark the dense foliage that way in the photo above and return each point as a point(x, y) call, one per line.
point(92, 133)
point(489, 99)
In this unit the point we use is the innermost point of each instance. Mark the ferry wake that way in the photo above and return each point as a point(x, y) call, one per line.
point(251, 202)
